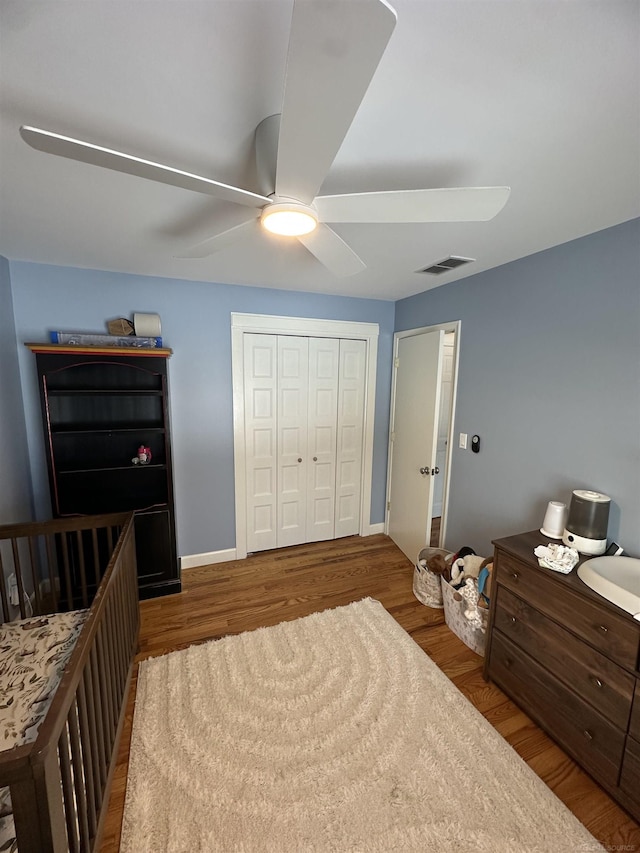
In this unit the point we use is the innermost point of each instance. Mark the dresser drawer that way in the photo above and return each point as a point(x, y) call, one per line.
point(584, 733)
point(634, 725)
point(589, 673)
point(630, 778)
point(613, 635)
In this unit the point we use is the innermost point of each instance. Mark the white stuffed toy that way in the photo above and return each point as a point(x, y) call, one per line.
point(467, 567)
point(469, 593)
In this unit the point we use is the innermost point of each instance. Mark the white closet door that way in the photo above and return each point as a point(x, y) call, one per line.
point(323, 406)
point(293, 376)
point(260, 406)
point(351, 385)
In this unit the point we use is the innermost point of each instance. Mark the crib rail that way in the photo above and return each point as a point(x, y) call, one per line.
point(56, 565)
point(60, 782)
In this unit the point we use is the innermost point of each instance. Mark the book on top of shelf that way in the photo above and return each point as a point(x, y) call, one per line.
point(87, 340)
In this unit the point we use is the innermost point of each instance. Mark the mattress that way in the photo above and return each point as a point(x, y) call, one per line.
point(33, 655)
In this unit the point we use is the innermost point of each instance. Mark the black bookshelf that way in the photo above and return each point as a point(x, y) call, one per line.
point(98, 406)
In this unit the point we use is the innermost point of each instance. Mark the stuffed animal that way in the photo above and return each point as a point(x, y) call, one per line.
point(468, 593)
point(467, 567)
point(143, 457)
point(436, 563)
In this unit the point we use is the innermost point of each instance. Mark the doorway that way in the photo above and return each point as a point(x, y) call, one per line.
point(421, 433)
point(244, 329)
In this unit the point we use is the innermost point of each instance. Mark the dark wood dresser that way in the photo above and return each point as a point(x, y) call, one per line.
point(569, 659)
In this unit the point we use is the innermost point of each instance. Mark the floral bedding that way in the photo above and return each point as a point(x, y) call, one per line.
point(33, 655)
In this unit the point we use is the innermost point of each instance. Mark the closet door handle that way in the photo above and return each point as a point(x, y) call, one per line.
point(299, 458)
point(425, 470)
point(315, 458)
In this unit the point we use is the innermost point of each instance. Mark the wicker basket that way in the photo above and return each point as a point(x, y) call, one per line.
point(471, 635)
point(426, 584)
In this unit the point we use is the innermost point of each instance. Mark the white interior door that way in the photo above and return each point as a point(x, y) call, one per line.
point(444, 421)
point(304, 402)
point(324, 356)
point(260, 412)
point(414, 439)
point(351, 388)
point(256, 508)
point(293, 377)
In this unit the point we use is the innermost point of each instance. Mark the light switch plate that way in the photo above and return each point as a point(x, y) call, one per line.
point(462, 443)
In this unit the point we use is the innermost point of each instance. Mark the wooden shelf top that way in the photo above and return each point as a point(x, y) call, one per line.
point(161, 352)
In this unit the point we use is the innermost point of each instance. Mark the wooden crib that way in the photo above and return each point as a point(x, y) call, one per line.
point(60, 781)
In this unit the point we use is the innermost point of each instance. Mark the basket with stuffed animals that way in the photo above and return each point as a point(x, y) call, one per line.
point(430, 565)
point(466, 586)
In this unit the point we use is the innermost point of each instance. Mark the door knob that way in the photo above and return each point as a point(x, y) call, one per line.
point(435, 470)
point(315, 458)
point(425, 470)
point(299, 458)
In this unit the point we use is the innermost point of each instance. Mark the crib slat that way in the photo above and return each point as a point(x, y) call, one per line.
point(96, 556)
point(35, 580)
point(67, 569)
point(88, 741)
point(67, 791)
point(106, 688)
point(83, 573)
point(53, 575)
point(17, 569)
point(79, 780)
point(119, 635)
point(113, 659)
point(98, 711)
point(3, 593)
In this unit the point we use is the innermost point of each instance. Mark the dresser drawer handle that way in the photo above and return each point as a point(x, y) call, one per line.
point(513, 620)
point(587, 734)
point(515, 575)
point(604, 629)
point(597, 681)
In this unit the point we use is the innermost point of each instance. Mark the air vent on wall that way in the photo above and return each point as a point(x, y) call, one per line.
point(447, 265)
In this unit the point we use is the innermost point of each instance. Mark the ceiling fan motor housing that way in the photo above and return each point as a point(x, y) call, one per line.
point(288, 217)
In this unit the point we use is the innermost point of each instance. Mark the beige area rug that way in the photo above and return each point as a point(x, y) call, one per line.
point(335, 732)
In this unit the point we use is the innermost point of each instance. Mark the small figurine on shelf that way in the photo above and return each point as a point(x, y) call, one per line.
point(143, 457)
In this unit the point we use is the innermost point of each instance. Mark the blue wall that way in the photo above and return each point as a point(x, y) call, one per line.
point(15, 475)
point(550, 379)
point(196, 325)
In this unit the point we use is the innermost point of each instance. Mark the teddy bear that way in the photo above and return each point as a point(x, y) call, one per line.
point(436, 564)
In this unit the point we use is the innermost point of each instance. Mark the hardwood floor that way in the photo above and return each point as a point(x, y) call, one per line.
point(281, 585)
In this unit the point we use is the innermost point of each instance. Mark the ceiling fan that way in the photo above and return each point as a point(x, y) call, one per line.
point(334, 49)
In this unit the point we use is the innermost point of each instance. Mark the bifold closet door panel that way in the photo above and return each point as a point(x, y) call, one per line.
point(261, 441)
point(350, 437)
point(292, 448)
point(324, 355)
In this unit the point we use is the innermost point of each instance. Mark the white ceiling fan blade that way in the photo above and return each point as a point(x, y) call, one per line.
point(334, 50)
point(463, 204)
point(220, 241)
point(96, 155)
point(332, 251)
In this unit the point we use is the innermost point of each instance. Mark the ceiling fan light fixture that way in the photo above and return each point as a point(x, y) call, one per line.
point(289, 219)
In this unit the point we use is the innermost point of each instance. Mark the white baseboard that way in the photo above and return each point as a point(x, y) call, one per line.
point(192, 561)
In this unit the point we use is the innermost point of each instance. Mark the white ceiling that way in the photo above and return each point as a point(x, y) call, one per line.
point(539, 95)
